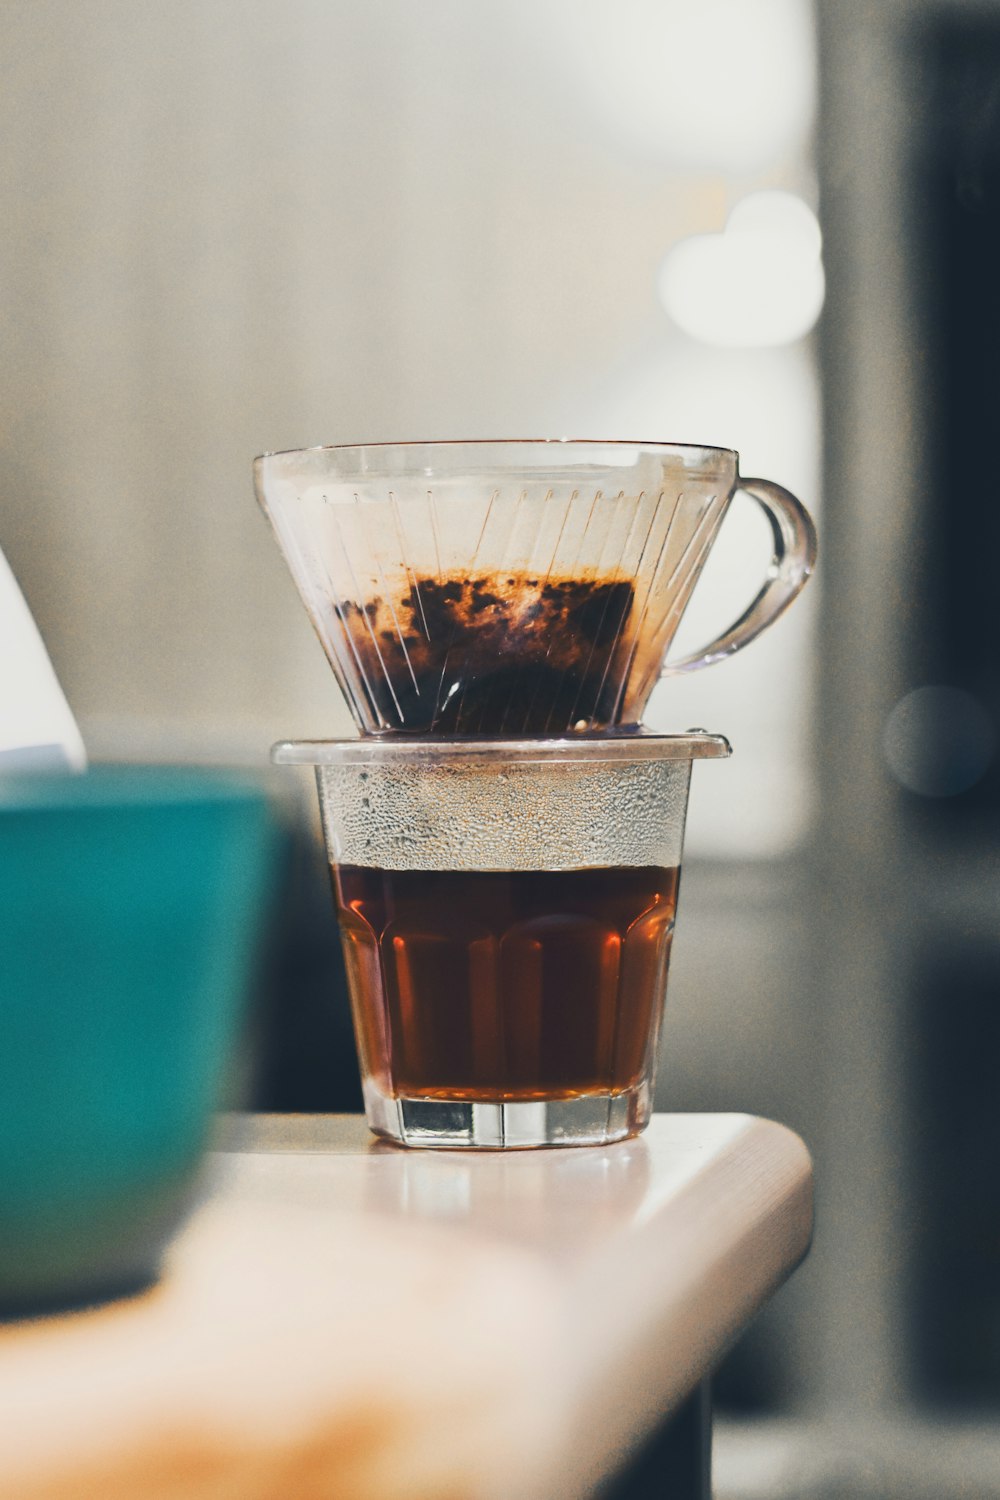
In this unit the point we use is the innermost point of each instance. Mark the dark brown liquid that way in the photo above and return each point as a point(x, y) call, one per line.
point(495, 654)
point(535, 984)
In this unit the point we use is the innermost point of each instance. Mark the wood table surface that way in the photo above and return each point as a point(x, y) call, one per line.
point(344, 1318)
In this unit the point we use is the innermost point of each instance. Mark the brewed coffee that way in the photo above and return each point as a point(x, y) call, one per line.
point(534, 984)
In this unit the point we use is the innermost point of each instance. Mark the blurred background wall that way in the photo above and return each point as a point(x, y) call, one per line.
point(233, 225)
point(237, 225)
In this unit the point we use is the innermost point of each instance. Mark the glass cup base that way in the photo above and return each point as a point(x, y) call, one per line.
point(449, 1124)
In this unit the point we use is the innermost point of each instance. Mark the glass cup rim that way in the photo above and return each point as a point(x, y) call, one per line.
point(693, 453)
point(398, 750)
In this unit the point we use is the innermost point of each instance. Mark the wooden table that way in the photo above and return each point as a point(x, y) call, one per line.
point(342, 1318)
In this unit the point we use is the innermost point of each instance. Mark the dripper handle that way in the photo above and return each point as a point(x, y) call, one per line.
point(793, 561)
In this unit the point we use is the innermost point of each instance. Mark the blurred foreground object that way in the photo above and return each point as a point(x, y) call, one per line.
point(37, 728)
point(348, 1319)
point(130, 901)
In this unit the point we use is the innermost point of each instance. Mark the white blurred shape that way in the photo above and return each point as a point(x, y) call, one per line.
point(37, 729)
point(782, 215)
point(759, 284)
point(939, 741)
point(717, 85)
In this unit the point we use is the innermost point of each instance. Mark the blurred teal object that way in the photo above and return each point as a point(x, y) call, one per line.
point(131, 900)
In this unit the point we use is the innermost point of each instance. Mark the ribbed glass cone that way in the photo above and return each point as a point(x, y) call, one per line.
point(497, 589)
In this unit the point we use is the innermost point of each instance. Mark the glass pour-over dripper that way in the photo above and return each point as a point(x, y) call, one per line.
point(514, 588)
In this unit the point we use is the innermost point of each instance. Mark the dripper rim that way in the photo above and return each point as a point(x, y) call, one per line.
point(653, 445)
point(403, 749)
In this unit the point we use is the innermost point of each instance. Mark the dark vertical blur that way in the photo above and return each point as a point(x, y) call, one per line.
point(304, 1043)
point(956, 106)
point(956, 1006)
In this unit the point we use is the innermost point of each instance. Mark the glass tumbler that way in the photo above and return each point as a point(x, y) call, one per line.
point(506, 909)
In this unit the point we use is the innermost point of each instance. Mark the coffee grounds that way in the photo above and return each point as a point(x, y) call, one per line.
point(494, 655)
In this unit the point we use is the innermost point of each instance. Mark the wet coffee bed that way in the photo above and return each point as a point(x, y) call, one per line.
point(495, 654)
